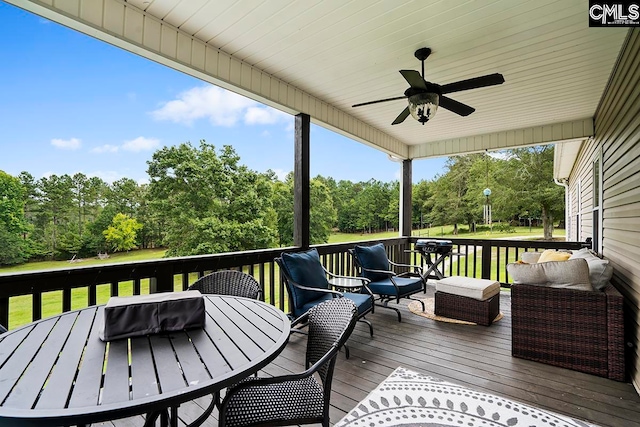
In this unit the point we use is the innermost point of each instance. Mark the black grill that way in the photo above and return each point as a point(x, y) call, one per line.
point(433, 246)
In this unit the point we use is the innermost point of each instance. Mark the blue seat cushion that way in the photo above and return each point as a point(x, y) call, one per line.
point(305, 269)
point(372, 257)
point(362, 301)
point(300, 310)
point(406, 286)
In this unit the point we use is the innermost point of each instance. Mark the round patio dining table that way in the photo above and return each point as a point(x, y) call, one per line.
point(57, 371)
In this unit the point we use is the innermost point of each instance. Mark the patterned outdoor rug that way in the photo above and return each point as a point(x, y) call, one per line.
point(416, 308)
point(407, 398)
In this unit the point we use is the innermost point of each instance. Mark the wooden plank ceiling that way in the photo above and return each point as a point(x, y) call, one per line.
point(340, 53)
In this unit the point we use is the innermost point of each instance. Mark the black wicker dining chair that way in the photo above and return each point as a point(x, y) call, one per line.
point(225, 282)
point(296, 398)
point(228, 282)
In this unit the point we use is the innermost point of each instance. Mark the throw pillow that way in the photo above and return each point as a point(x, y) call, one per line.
point(571, 274)
point(553, 255)
point(530, 257)
point(600, 271)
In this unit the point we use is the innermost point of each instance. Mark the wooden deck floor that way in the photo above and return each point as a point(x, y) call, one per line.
point(474, 356)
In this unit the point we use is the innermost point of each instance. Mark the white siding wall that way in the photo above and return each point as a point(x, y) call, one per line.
point(617, 133)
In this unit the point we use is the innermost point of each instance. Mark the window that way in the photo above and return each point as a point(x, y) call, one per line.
point(596, 183)
point(596, 214)
point(577, 237)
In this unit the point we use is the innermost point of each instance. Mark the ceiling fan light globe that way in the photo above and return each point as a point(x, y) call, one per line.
point(423, 106)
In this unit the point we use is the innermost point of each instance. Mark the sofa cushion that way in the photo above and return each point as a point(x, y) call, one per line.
point(570, 274)
point(553, 255)
point(600, 271)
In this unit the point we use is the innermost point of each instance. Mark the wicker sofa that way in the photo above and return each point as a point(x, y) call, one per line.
point(575, 329)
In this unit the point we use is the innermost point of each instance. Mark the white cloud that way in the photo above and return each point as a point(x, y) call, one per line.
point(281, 174)
point(66, 144)
point(107, 148)
point(264, 116)
point(141, 144)
point(219, 106)
point(290, 127)
point(107, 176)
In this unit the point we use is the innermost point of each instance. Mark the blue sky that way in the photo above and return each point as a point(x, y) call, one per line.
point(71, 103)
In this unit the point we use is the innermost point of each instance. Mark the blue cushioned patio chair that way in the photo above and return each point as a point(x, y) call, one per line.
point(373, 264)
point(308, 285)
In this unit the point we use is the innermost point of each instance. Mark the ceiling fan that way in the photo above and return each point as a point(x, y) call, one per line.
point(425, 97)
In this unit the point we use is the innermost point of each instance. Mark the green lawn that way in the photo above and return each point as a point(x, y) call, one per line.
point(20, 307)
point(445, 232)
point(139, 255)
point(517, 233)
point(466, 266)
point(149, 254)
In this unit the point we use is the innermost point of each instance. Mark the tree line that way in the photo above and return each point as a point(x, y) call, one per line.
point(201, 200)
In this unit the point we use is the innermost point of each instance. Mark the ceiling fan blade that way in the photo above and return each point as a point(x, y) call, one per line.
point(402, 116)
point(474, 83)
point(413, 78)
point(455, 106)
point(378, 101)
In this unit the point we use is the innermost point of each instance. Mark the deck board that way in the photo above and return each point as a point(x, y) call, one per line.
point(474, 356)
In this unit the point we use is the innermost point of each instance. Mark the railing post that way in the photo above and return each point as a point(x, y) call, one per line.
point(66, 300)
point(36, 306)
point(4, 312)
point(163, 280)
point(486, 259)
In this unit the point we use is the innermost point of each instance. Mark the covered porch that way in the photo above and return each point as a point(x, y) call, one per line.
point(477, 357)
point(565, 84)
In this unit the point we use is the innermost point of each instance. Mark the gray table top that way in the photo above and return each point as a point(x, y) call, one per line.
point(57, 370)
